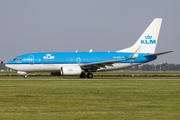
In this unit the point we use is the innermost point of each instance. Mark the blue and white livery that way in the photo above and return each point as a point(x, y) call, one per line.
point(78, 63)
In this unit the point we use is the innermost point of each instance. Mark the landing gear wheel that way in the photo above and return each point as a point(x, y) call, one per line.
point(83, 75)
point(25, 76)
point(89, 75)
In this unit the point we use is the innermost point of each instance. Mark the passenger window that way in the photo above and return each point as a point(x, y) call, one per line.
point(61, 59)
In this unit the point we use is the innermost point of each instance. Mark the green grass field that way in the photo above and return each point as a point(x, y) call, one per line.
point(89, 99)
point(114, 74)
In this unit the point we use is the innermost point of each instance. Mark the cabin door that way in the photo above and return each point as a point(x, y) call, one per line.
point(31, 59)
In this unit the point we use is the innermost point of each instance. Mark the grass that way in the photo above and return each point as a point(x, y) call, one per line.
point(89, 99)
point(114, 74)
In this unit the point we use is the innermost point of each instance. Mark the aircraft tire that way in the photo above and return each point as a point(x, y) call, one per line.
point(25, 76)
point(89, 75)
point(83, 75)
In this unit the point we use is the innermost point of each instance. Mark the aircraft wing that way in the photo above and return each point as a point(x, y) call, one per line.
point(157, 54)
point(97, 65)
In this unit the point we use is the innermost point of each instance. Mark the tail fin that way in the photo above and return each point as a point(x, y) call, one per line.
point(148, 39)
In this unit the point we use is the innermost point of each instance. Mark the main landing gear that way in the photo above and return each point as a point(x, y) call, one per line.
point(89, 75)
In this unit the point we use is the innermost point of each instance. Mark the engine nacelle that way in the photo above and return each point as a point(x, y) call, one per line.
point(71, 70)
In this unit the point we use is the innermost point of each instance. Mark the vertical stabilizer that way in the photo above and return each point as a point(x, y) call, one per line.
point(148, 39)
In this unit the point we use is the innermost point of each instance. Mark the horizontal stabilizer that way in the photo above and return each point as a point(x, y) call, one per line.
point(158, 54)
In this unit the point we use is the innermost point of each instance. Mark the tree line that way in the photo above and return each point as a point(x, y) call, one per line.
point(152, 67)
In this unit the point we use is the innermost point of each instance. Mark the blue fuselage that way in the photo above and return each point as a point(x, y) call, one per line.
point(77, 58)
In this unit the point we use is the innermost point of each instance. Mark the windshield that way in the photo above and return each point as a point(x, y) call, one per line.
point(17, 59)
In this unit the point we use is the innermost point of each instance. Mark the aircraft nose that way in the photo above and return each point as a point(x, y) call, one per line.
point(7, 65)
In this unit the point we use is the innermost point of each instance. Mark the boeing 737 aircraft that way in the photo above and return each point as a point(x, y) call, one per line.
point(80, 63)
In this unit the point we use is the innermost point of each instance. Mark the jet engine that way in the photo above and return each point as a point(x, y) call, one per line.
point(71, 70)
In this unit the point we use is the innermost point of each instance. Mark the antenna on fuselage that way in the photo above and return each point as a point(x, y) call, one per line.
point(91, 50)
point(76, 51)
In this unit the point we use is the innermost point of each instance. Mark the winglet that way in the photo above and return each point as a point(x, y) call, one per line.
point(135, 55)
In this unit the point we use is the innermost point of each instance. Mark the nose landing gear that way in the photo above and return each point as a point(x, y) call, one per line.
point(25, 75)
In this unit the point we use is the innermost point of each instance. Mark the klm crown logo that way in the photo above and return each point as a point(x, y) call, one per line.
point(148, 37)
point(69, 70)
point(148, 40)
point(48, 56)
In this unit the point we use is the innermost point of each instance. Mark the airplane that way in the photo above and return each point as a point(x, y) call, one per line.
point(84, 63)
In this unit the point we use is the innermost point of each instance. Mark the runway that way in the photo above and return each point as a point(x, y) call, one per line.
point(86, 79)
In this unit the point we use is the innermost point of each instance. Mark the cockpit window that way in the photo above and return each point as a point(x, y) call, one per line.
point(17, 59)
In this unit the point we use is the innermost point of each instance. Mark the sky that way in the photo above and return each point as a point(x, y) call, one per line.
point(31, 26)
